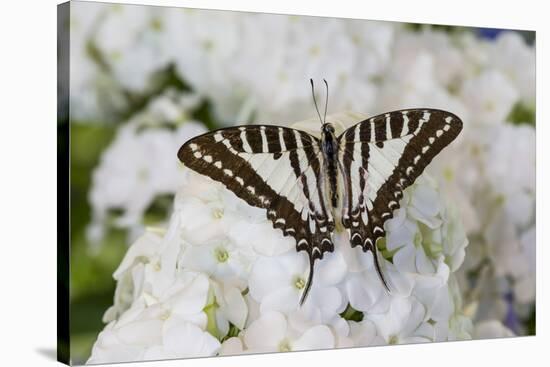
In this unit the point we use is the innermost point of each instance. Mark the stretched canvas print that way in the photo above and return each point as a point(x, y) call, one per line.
point(248, 183)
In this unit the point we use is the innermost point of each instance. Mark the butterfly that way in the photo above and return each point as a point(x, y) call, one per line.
point(307, 184)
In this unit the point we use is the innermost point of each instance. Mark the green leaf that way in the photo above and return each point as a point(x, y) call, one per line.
point(352, 314)
point(233, 332)
point(522, 114)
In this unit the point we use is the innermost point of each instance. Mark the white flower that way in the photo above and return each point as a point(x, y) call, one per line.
point(365, 290)
point(460, 325)
point(364, 334)
point(513, 146)
point(423, 240)
point(139, 165)
point(209, 212)
point(232, 346)
point(203, 44)
point(272, 333)
point(169, 326)
point(277, 283)
point(373, 42)
point(447, 58)
point(489, 97)
point(221, 259)
point(511, 55)
point(232, 307)
point(93, 92)
point(504, 202)
point(404, 323)
point(142, 258)
point(183, 340)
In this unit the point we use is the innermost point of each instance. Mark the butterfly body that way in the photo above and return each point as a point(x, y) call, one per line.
point(307, 184)
point(329, 144)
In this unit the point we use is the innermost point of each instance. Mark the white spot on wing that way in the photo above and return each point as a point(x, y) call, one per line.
point(426, 116)
point(312, 225)
point(405, 123)
point(369, 206)
point(298, 137)
point(365, 217)
point(264, 140)
point(388, 127)
point(246, 146)
point(281, 139)
point(227, 143)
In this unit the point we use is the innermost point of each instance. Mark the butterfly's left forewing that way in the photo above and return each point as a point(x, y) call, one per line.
point(275, 168)
point(379, 158)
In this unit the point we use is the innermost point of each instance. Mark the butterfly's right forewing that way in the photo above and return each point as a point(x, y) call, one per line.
point(379, 158)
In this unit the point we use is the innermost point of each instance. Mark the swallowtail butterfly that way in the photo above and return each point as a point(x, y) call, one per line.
point(307, 184)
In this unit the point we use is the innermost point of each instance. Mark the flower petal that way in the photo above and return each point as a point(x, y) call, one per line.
point(318, 337)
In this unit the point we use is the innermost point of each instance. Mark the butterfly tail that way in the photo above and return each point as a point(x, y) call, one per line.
point(378, 269)
point(309, 282)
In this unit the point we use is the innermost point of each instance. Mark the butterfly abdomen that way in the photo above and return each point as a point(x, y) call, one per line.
point(329, 145)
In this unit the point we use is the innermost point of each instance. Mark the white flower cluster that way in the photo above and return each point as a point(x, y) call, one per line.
point(119, 49)
point(140, 164)
point(254, 68)
point(221, 280)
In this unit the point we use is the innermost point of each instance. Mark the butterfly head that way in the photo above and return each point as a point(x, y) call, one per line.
point(327, 129)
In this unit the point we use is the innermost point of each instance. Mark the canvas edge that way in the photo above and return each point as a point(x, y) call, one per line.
point(63, 184)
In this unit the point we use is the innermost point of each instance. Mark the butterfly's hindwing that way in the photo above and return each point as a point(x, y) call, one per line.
point(275, 168)
point(388, 152)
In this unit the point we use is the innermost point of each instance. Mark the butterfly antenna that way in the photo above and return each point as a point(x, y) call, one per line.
point(309, 282)
point(326, 100)
point(378, 269)
point(314, 100)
